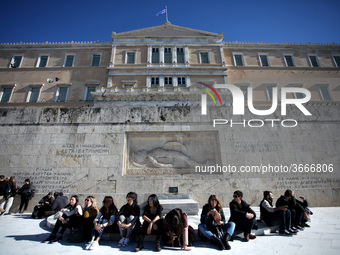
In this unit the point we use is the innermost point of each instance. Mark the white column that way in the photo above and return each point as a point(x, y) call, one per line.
point(222, 56)
point(187, 81)
point(186, 55)
point(113, 52)
point(148, 81)
point(174, 55)
point(174, 81)
point(149, 55)
point(161, 81)
point(161, 54)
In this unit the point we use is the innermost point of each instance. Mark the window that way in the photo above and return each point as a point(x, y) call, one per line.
point(5, 94)
point(204, 57)
point(314, 62)
point(88, 96)
point(130, 57)
point(16, 62)
point(62, 94)
point(69, 60)
point(269, 89)
point(238, 59)
point(180, 55)
point(337, 60)
point(167, 55)
point(95, 60)
point(245, 91)
point(264, 60)
point(289, 60)
point(181, 81)
point(155, 56)
point(42, 61)
point(167, 81)
point(33, 94)
point(325, 93)
point(154, 81)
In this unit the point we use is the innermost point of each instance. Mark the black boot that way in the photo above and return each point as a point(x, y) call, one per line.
point(50, 238)
point(216, 241)
point(158, 243)
point(226, 239)
point(140, 245)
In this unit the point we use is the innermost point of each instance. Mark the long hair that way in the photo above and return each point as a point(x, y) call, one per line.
point(218, 206)
point(93, 201)
point(155, 201)
point(108, 206)
point(173, 223)
point(69, 206)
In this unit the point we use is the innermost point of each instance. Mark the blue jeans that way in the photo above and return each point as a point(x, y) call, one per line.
point(95, 233)
point(227, 228)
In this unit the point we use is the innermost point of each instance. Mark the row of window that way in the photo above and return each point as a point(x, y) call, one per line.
point(62, 92)
point(288, 58)
point(35, 91)
point(324, 92)
point(43, 60)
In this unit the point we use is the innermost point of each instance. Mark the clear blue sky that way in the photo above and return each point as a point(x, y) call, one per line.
point(316, 21)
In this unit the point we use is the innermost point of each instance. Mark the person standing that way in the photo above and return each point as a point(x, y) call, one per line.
point(2, 192)
point(10, 191)
point(25, 193)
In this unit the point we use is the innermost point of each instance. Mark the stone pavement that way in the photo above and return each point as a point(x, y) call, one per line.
point(19, 234)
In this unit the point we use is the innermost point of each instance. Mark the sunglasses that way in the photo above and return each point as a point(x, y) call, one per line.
point(214, 200)
point(129, 198)
point(150, 200)
point(235, 196)
point(86, 200)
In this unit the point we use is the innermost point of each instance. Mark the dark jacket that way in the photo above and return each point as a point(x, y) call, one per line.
point(11, 189)
point(239, 213)
point(25, 190)
point(205, 217)
point(3, 188)
point(282, 201)
point(59, 203)
point(46, 199)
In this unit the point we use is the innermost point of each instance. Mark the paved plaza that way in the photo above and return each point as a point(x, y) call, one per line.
point(19, 234)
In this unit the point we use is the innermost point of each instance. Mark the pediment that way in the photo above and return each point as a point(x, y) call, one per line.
point(166, 30)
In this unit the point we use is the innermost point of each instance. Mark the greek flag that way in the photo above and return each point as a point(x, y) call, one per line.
point(161, 12)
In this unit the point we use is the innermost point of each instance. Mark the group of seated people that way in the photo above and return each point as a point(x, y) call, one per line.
point(290, 214)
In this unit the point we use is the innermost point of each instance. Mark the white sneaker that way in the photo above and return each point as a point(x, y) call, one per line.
point(121, 242)
point(94, 246)
point(88, 246)
point(126, 242)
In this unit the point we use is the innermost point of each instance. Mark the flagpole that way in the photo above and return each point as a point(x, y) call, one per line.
point(166, 13)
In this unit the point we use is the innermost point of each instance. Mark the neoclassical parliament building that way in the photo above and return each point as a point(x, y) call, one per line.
point(111, 117)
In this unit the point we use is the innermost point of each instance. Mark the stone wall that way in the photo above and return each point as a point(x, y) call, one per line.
point(148, 149)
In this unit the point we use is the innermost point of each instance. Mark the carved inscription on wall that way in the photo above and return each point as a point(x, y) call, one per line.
point(257, 146)
point(307, 183)
point(45, 180)
point(82, 150)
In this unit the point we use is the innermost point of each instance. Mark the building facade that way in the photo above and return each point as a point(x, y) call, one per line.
point(110, 117)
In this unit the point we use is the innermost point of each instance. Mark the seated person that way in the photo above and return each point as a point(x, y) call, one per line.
point(297, 212)
point(128, 218)
point(90, 212)
point(106, 217)
point(213, 225)
point(307, 211)
point(242, 215)
point(273, 216)
point(69, 217)
point(176, 228)
point(45, 204)
point(152, 224)
point(285, 201)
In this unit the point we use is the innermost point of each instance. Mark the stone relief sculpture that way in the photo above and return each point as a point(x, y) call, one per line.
point(171, 155)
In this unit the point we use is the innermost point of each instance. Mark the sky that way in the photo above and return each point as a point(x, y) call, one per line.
point(292, 21)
